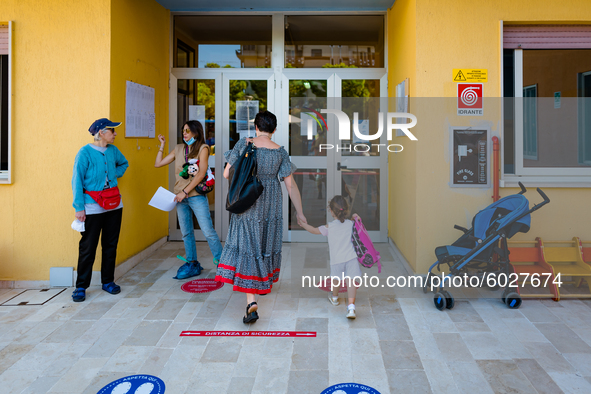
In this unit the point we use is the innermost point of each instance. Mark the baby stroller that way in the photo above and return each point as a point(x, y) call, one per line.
point(478, 254)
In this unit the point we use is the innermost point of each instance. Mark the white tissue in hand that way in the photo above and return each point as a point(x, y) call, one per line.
point(78, 225)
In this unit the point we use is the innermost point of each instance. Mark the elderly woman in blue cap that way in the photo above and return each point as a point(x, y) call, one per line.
point(98, 205)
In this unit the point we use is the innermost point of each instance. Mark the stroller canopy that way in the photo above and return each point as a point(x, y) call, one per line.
point(506, 212)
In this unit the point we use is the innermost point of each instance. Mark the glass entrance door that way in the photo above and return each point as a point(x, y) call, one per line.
point(328, 166)
point(310, 93)
point(226, 101)
point(244, 95)
point(361, 166)
point(196, 99)
point(226, 104)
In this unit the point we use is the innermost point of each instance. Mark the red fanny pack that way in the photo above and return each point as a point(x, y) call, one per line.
point(109, 198)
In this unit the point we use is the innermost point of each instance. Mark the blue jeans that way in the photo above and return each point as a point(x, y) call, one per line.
point(200, 206)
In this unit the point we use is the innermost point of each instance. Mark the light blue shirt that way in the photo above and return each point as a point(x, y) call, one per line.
point(91, 170)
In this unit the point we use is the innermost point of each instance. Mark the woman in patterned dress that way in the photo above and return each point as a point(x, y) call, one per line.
point(251, 258)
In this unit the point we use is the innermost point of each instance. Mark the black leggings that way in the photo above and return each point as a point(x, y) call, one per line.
point(109, 223)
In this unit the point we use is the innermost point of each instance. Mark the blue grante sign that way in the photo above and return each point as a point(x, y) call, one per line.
point(350, 388)
point(135, 384)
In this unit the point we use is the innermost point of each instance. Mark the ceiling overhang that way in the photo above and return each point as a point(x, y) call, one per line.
point(275, 5)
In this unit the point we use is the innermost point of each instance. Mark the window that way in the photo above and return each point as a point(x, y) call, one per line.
point(315, 41)
point(5, 101)
point(185, 57)
point(547, 79)
point(220, 41)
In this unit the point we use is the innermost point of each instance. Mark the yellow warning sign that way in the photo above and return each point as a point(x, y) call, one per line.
point(470, 75)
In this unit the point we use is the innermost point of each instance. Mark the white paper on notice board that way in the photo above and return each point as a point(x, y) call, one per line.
point(140, 118)
point(246, 110)
point(197, 112)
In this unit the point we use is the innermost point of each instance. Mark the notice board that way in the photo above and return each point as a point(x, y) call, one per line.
point(470, 150)
point(140, 118)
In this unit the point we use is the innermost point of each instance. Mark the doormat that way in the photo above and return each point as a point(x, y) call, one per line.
point(32, 297)
point(201, 286)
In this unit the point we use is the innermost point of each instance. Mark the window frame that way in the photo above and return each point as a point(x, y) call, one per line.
point(6, 175)
point(543, 176)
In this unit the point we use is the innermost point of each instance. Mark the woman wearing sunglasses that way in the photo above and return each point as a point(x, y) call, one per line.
point(189, 200)
point(98, 205)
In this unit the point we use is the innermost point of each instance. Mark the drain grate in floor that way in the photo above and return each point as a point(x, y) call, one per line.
point(32, 297)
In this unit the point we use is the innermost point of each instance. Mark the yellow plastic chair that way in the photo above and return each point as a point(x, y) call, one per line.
point(566, 258)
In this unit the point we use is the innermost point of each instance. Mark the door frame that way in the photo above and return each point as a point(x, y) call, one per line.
point(364, 162)
point(222, 110)
point(334, 78)
point(260, 75)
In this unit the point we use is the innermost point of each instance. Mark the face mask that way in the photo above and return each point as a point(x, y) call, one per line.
point(191, 141)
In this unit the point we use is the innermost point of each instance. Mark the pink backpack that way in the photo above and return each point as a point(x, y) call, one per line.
point(366, 252)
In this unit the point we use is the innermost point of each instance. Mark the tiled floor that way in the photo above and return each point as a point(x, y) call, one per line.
point(399, 342)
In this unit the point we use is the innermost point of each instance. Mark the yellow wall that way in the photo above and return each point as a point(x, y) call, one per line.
point(402, 52)
point(140, 53)
point(467, 35)
point(60, 86)
point(71, 61)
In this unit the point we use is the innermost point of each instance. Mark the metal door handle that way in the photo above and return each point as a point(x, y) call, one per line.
point(339, 166)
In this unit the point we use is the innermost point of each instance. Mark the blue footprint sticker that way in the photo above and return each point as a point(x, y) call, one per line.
point(135, 384)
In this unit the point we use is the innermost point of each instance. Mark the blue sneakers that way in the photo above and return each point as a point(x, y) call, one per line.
point(188, 270)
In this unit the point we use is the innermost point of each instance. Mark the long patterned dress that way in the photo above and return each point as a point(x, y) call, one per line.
point(251, 259)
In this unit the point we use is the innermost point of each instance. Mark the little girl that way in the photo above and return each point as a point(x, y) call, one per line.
point(343, 258)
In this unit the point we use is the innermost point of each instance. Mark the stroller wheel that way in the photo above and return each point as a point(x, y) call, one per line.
point(440, 301)
point(449, 300)
point(513, 300)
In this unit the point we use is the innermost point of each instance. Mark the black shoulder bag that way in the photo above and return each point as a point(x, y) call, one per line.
point(245, 186)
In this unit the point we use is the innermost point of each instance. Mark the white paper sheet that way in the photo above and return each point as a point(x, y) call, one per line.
point(163, 200)
point(140, 118)
point(246, 110)
point(197, 112)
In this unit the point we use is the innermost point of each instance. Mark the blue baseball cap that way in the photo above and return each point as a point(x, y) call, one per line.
point(102, 123)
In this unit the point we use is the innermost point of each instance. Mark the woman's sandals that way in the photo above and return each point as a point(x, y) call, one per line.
point(251, 313)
